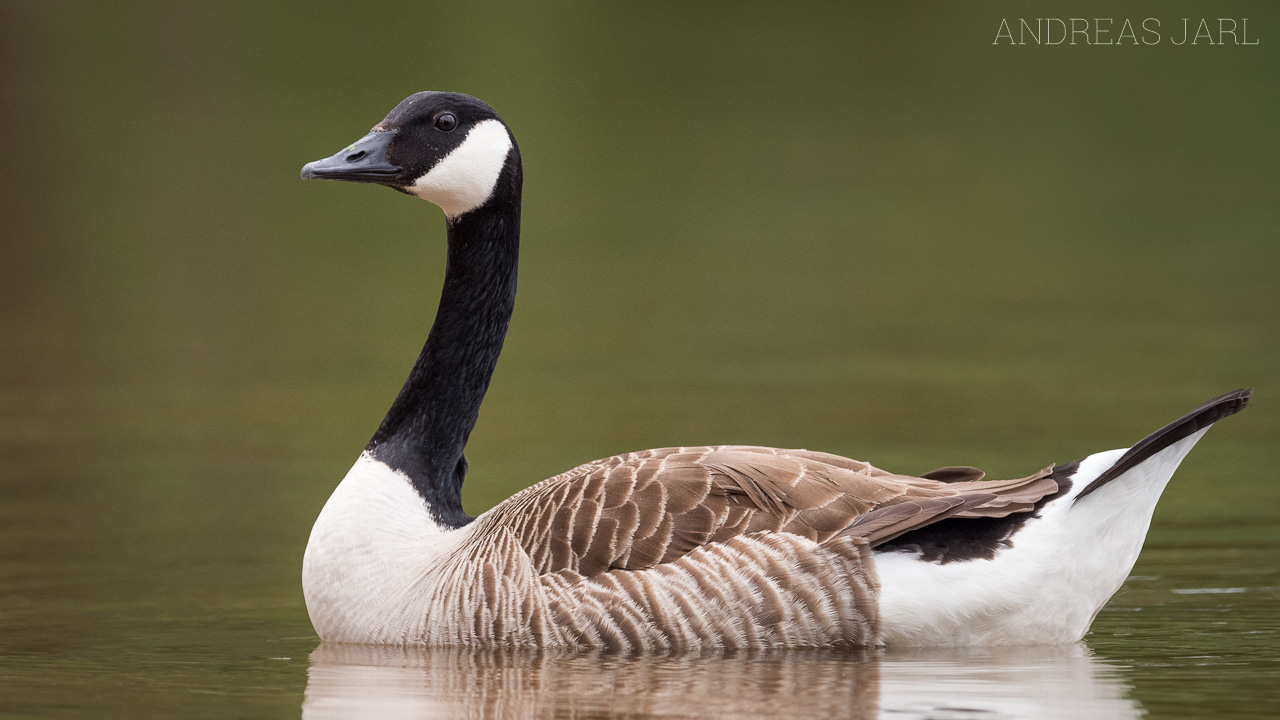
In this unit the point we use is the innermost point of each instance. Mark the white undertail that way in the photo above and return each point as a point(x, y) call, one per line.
point(1061, 569)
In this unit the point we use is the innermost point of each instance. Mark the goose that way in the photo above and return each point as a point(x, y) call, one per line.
point(682, 548)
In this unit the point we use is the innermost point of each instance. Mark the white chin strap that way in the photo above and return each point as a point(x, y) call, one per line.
point(465, 178)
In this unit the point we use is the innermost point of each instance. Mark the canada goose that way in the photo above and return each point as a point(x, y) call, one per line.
point(691, 547)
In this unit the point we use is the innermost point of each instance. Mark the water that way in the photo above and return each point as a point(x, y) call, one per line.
point(866, 232)
point(1041, 682)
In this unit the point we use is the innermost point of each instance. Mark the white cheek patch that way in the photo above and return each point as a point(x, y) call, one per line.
point(465, 178)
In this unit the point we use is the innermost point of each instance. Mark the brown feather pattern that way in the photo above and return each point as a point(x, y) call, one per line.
point(706, 547)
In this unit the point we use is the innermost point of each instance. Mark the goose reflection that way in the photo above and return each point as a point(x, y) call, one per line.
point(354, 681)
point(1048, 683)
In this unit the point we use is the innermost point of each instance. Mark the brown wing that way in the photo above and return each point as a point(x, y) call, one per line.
point(643, 509)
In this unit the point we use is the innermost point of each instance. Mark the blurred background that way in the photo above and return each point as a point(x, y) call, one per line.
point(862, 230)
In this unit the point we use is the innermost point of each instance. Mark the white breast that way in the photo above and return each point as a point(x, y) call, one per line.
point(368, 563)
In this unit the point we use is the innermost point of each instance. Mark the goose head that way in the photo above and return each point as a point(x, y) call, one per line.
point(447, 148)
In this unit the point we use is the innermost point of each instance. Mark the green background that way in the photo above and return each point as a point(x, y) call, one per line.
point(864, 230)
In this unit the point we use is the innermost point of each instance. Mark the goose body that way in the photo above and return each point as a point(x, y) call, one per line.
point(691, 547)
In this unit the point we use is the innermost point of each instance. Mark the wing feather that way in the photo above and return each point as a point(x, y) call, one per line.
point(650, 508)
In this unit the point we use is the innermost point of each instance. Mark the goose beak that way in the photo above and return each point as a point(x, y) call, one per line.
point(365, 160)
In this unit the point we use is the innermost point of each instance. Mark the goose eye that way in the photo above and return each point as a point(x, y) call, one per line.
point(446, 122)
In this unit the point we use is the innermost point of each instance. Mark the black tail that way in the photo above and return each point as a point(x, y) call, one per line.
point(1193, 422)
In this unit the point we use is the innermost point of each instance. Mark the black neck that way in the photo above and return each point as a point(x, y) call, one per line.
point(426, 429)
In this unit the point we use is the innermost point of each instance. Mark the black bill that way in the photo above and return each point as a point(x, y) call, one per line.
point(365, 160)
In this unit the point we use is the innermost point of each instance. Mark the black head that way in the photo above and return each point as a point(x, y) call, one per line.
point(448, 148)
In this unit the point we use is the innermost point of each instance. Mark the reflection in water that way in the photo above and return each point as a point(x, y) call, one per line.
point(1030, 682)
point(346, 681)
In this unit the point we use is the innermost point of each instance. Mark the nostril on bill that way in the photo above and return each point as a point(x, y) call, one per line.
point(353, 157)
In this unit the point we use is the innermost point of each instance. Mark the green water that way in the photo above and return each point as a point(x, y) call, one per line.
point(863, 231)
